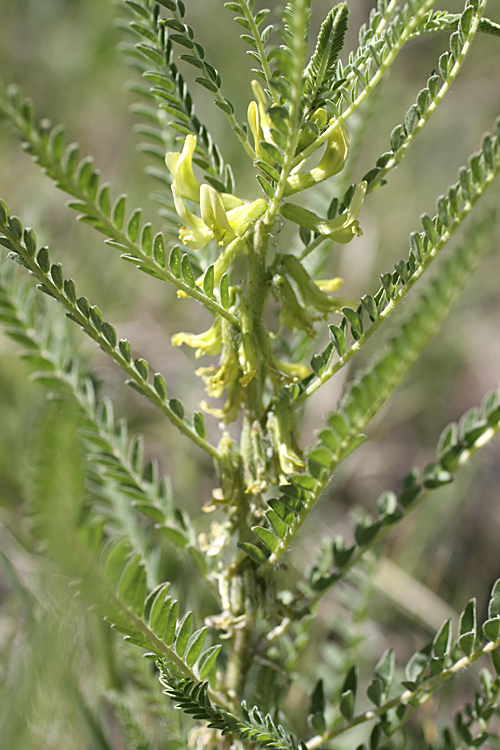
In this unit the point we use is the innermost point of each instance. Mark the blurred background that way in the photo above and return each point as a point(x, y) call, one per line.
point(63, 54)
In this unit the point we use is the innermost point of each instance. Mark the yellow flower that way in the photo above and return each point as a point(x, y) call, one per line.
point(217, 379)
point(214, 215)
point(259, 121)
point(345, 227)
point(329, 285)
point(241, 217)
point(341, 229)
point(215, 223)
point(195, 234)
point(293, 370)
point(181, 166)
point(332, 162)
point(231, 409)
point(309, 291)
point(209, 343)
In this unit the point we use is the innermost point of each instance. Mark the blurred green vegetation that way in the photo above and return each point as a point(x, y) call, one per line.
point(63, 53)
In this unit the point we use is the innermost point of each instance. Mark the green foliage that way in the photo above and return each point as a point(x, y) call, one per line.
point(226, 613)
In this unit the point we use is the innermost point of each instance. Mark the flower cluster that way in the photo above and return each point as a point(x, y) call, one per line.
point(335, 155)
point(223, 217)
point(208, 214)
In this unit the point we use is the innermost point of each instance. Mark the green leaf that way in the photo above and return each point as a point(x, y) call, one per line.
point(338, 339)
point(418, 663)
point(160, 613)
point(375, 691)
point(282, 510)
point(169, 634)
point(355, 322)
point(255, 553)
point(132, 584)
point(150, 510)
point(317, 703)
point(435, 476)
point(174, 262)
point(114, 560)
point(270, 171)
point(56, 273)
point(142, 368)
point(150, 599)
point(385, 670)
point(177, 407)
point(266, 186)
point(133, 225)
point(468, 618)
point(304, 482)
point(160, 386)
point(183, 633)
point(495, 658)
point(351, 681)
point(125, 350)
point(277, 523)
point(266, 537)
point(274, 152)
point(491, 628)
point(118, 212)
point(198, 558)
point(187, 271)
point(494, 603)
point(109, 334)
point(347, 704)
point(194, 646)
point(208, 281)
point(43, 260)
point(366, 531)
point(207, 84)
point(207, 661)
point(199, 424)
point(174, 535)
point(441, 645)
point(224, 291)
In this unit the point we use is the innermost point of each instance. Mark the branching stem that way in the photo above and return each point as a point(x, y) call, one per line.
point(367, 90)
point(401, 294)
point(420, 695)
point(399, 154)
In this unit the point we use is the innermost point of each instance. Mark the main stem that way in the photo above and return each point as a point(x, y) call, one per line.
point(253, 306)
point(242, 583)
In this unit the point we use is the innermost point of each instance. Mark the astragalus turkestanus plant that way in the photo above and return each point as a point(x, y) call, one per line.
point(246, 667)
